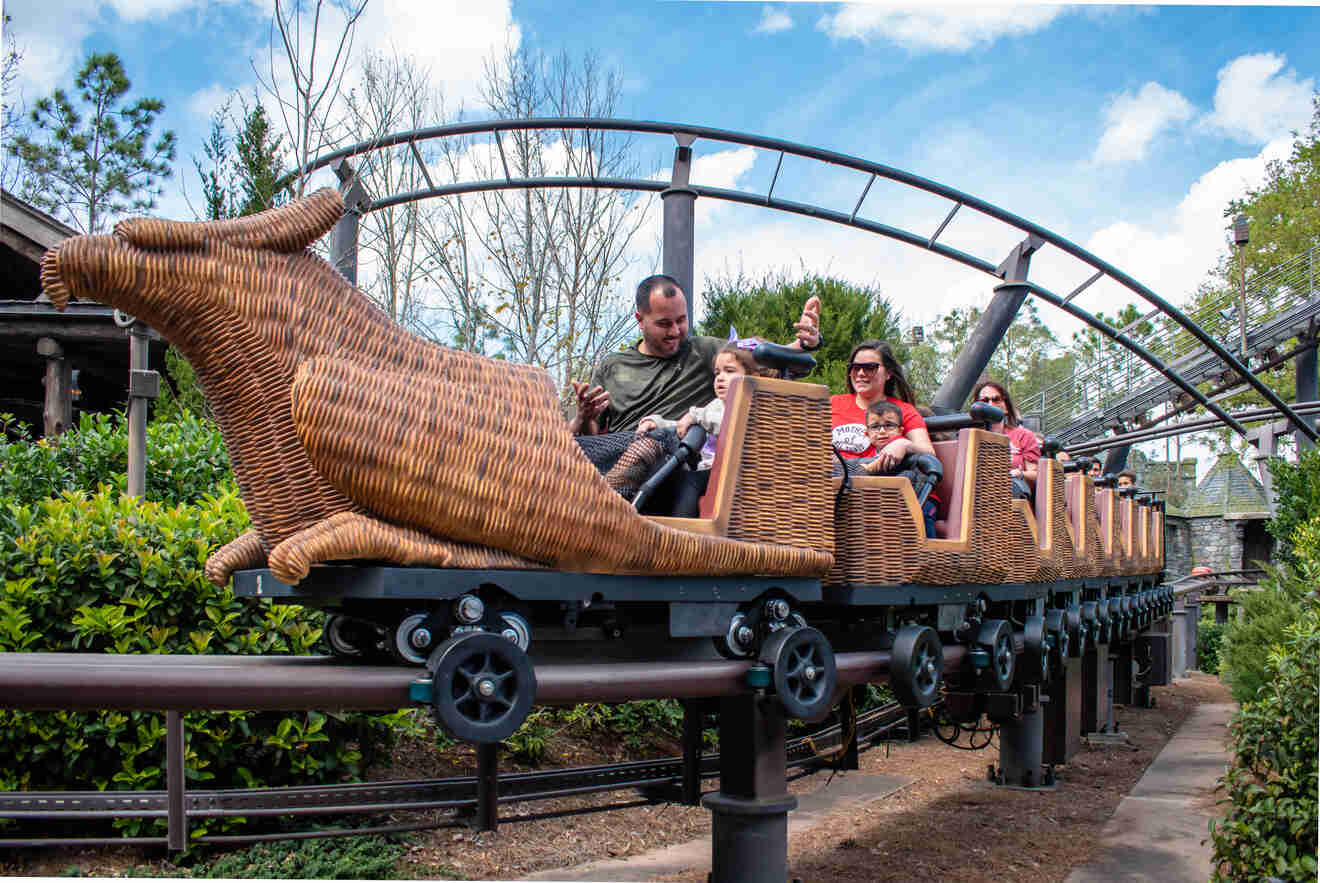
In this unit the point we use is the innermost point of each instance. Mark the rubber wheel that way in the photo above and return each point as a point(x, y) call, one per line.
point(401, 647)
point(996, 635)
point(1036, 655)
point(482, 687)
point(350, 637)
point(802, 662)
point(916, 666)
point(1057, 628)
point(1102, 618)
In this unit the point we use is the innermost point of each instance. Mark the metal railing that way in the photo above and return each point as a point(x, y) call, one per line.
point(1117, 388)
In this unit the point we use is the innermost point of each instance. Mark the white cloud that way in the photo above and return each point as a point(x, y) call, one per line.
point(1133, 120)
point(948, 29)
point(1257, 101)
point(774, 21)
point(1174, 257)
point(451, 38)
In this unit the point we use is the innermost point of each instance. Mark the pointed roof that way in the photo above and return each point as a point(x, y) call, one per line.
point(1228, 489)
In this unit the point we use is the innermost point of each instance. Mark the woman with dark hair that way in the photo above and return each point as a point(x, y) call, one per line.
point(1023, 445)
point(874, 374)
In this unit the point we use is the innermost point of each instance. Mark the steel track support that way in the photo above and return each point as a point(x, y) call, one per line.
point(679, 235)
point(692, 719)
point(1063, 714)
point(176, 749)
point(488, 786)
point(1308, 388)
point(749, 814)
point(1021, 745)
point(1122, 659)
point(344, 235)
point(143, 385)
point(989, 332)
point(1097, 690)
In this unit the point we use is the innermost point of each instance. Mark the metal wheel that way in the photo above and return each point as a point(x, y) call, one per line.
point(916, 666)
point(1103, 621)
point(996, 635)
point(1057, 629)
point(1076, 636)
point(482, 687)
point(802, 662)
point(412, 644)
point(516, 630)
point(350, 637)
point(1036, 659)
point(738, 642)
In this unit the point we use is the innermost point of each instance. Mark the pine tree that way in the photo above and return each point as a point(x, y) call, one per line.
point(94, 159)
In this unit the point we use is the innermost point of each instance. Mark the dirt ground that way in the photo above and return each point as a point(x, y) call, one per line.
point(949, 823)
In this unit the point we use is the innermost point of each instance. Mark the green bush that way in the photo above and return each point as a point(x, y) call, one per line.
point(1297, 488)
point(1270, 827)
point(186, 459)
point(111, 574)
point(1209, 641)
point(348, 858)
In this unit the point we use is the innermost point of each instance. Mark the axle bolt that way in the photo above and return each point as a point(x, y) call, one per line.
point(486, 687)
point(469, 609)
point(510, 635)
point(777, 608)
point(811, 673)
point(420, 638)
point(745, 636)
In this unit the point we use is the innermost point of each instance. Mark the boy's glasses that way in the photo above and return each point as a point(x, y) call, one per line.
point(866, 368)
point(884, 427)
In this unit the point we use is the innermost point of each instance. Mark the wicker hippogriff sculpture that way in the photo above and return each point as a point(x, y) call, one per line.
point(351, 438)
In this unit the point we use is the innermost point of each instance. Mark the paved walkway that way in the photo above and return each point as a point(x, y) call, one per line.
point(1155, 834)
point(845, 789)
point(1157, 831)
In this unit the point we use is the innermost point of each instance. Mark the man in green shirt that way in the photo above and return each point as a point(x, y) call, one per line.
point(668, 370)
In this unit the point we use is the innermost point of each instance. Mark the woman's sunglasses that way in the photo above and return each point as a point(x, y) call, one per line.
point(991, 399)
point(868, 368)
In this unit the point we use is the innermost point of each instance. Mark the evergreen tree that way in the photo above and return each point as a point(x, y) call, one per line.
point(92, 163)
point(768, 308)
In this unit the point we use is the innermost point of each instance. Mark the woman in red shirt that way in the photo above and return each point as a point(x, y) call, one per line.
point(874, 373)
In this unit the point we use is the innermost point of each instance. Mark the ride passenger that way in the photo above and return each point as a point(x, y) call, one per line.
point(1127, 478)
point(668, 370)
point(1023, 446)
point(730, 362)
point(875, 375)
point(884, 424)
point(1096, 469)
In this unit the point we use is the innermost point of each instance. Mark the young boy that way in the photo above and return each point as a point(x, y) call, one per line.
point(884, 423)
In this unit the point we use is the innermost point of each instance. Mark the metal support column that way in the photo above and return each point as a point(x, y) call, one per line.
point(1193, 631)
point(985, 339)
point(691, 795)
point(57, 414)
point(344, 235)
point(1121, 656)
point(1097, 690)
point(749, 814)
point(1179, 630)
point(176, 750)
point(488, 786)
point(679, 243)
point(1307, 389)
point(1021, 746)
point(143, 385)
point(1063, 714)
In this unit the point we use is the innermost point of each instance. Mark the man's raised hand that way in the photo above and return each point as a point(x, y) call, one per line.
point(808, 327)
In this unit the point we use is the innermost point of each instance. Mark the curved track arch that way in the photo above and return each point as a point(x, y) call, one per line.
point(687, 134)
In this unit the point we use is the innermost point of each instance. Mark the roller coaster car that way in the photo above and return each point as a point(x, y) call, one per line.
point(355, 441)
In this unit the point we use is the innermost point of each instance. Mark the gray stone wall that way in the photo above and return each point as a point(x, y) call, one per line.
point(1210, 541)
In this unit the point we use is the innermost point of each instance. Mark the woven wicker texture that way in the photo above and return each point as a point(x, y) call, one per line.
point(251, 309)
point(880, 540)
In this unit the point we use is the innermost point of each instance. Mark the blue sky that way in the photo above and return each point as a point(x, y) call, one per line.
point(1123, 128)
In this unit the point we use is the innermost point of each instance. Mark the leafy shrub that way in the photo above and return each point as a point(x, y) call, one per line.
point(186, 459)
point(1297, 487)
point(1209, 639)
point(110, 573)
point(1270, 827)
point(346, 858)
point(1263, 616)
